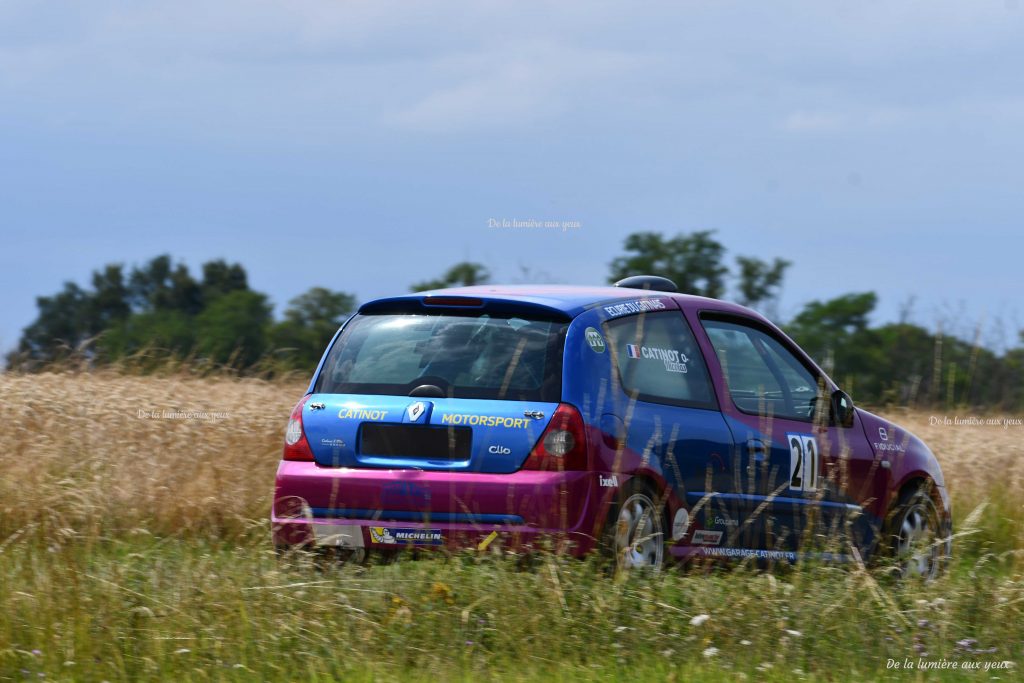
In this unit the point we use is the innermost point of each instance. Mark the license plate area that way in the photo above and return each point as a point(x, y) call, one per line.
point(415, 441)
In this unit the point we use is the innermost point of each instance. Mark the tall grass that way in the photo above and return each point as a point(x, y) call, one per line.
point(135, 546)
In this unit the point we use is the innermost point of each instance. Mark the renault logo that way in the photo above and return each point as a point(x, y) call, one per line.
point(414, 411)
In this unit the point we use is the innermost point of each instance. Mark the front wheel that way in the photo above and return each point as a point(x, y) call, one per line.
point(637, 529)
point(913, 536)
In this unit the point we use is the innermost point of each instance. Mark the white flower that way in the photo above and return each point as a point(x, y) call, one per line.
point(699, 619)
point(744, 642)
point(795, 634)
point(710, 651)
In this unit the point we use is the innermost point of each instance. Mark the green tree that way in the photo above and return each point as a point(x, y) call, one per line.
point(692, 261)
point(462, 274)
point(108, 303)
point(159, 333)
point(760, 281)
point(62, 326)
point(161, 286)
point(220, 277)
point(836, 334)
point(233, 328)
point(309, 323)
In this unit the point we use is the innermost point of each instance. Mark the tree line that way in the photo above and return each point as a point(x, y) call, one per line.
point(161, 310)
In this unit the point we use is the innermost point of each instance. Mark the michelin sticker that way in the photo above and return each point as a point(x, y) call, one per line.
point(674, 361)
point(398, 536)
point(635, 306)
point(594, 339)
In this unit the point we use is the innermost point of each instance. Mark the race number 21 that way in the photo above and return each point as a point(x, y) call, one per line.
point(803, 462)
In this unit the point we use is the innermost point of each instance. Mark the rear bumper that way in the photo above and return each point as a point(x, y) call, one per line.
point(370, 508)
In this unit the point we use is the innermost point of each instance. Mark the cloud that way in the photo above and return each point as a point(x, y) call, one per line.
point(512, 86)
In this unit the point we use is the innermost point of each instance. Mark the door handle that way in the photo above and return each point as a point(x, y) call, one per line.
point(757, 449)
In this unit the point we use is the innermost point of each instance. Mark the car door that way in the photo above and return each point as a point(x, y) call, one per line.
point(799, 472)
point(663, 395)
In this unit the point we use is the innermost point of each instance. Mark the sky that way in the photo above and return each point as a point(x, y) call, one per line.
point(364, 146)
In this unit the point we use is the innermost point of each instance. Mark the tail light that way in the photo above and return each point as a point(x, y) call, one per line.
point(295, 445)
point(563, 445)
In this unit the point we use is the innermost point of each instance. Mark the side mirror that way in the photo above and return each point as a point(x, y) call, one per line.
point(842, 409)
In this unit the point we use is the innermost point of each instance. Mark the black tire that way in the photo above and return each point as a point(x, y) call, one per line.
point(634, 533)
point(914, 538)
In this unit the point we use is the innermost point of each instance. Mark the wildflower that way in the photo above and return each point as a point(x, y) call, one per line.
point(710, 651)
point(795, 634)
point(699, 619)
point(182, 651)
point(966, 644)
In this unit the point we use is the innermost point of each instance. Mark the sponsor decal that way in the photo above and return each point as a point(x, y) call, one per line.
point(484, 420)
point(414, 411)
point(886, 445)
point(333, 443)
point(594, 340)
point(750, 552)
point(706, 537)
point(680, 524)
point(397, 536)
point(722, 520)
point(499, 450)
point(608, 482)
point(674, 361)
point(361, 414)
point(803, 462)
point(635, 306)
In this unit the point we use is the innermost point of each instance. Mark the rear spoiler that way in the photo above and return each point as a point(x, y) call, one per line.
point(463, 305)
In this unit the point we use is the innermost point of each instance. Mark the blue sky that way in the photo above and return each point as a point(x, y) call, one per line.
point(363, 146)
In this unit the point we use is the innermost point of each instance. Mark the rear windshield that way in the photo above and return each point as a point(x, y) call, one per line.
point(478, 356)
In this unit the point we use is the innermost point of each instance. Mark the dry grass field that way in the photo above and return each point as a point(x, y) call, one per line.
point(134, 546)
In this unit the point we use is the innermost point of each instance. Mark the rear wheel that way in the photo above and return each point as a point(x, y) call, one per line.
point(636, 529)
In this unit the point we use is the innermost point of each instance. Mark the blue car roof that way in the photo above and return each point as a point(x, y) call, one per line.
point(569, 300)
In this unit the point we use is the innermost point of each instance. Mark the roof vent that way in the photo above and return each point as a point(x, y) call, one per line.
point(652, 282)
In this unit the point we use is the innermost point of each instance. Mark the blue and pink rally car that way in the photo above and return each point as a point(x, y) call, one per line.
point(629, 419)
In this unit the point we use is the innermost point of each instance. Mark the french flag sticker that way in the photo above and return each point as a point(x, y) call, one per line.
point(632, 350)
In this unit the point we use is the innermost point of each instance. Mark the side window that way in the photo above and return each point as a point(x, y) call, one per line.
point(658, 360)
point(762, 374)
